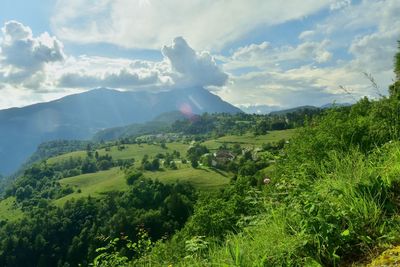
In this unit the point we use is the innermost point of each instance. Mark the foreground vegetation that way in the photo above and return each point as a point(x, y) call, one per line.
point(331, 199)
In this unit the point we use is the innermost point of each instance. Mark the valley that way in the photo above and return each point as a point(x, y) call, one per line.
point(96, 184)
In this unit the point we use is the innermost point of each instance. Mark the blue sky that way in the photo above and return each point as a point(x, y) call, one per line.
point(255, 52)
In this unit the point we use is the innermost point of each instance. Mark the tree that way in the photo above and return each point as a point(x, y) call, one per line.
point(104, 164)
point(132, 176)
point(194, 163)
point(20, 194)
point(155, 165)
point(394, 89)
point(397, 62)
point(88, 166)
point(163, 145)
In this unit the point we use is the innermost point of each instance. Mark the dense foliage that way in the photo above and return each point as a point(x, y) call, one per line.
point(69, 235)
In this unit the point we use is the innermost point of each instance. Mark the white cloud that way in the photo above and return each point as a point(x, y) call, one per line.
point(339, 4)
point(266, 56)
point(38, 63)
point(284, 75)
point(306, 35)
point(124, 79)
point(299, 86)
point(181, 67)
point(193, 69)
point(206, 24)
point(350, 39)
point(23, 57)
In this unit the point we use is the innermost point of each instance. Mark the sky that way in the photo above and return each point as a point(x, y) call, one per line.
point(250, 53)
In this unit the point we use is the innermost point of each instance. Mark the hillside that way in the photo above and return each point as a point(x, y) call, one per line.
point(161, 123)
point(296, 109)
point(99, 183)
point(82, 115)
point(152, 184)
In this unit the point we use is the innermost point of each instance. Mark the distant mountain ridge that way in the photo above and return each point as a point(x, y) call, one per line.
point(276, 110)
point(296, 109)
point(80, 116)
point(158, 124)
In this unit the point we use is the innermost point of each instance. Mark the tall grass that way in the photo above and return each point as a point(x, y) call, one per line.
point(344, 213)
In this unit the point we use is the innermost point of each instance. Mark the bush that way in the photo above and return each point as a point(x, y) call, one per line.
point(132, 176)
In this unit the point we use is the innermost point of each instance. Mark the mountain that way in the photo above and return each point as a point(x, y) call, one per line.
point(335, 105)
point(277, 110)
point(79, 116)
point(159, 124)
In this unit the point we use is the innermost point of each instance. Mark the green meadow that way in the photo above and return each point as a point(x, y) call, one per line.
point(249, 139)
point(9, 211)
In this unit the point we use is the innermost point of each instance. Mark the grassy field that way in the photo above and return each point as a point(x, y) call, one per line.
point(201, 178)
point(138, 151)
point(8, 210)
point(130, 151)
point(75, 154)
point(94, 184)
point(249, 140)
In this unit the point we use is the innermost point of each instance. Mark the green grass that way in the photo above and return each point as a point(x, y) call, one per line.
point(138, 151)
point(9, 211)
point(94, 184)
point(249, 140)
point(201, 178)
point(130, 151)
point(63, 157)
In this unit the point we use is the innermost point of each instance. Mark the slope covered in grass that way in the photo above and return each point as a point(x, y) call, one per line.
point(201, 178)
point(250, 140)
point(347, 213)
point(94, 184)
point(127, 151)
point(9, 210)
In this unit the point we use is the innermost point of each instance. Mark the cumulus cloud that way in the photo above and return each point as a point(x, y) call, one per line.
point(193, 69)
point(206, 24)
point(181, 67)
point(39, 63)
point(23, 57)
